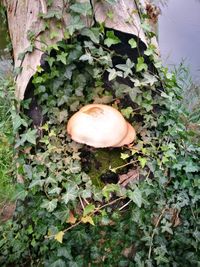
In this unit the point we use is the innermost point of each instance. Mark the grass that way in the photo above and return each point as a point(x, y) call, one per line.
point(6, 140)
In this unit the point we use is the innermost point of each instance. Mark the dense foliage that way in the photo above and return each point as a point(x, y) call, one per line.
point(68, 216)
point(6, 133)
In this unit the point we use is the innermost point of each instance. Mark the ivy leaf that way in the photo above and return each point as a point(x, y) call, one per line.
point(136, 196)
point(92, 33)
point(142, 161)
point(111, 39)
point(124, 156)
point(87, 57)
point(50, 60)
point(18, 121)
point(126, 68)
point(31, 136)
point(191, 167)
point(20, 192)
point(111, 2)
point(55, 190)
point(62, 57)
point(132, 43)
point(167, 228)
point(75, 24)
point(141, 65)
point(59, 263)
point(108, 189)
point(59, 236)
point(50, 205)
point(127, 112)
point(52, 14)
point(36, 182)
point(113, 74)
point(71, 194)
point(71, 219)
point(87, 219)
point(84, 8)
point(134, 92)
point(149, 79)
point(88, 209)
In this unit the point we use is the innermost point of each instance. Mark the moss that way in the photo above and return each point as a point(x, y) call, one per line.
point(101, 162)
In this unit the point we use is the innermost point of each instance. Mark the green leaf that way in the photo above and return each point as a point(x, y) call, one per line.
point(142, 161)
point(83, 8)
point(127, 112)
point(55, 190)
point(167, 228)
point(50, 60)
point(108, 189)
point(92, 33)
point(190, 166)
point(50, 205)
point(132, 43)
point(113, 74)
point(136, 196)
point(36, 182)
point(88, 209)
point(141, 65)
point(134, 92)
point(20, 192)
point(71, 194)
point(87, 57)
point(111, 2)
point(126, 68)
point(31, 136)
point(18, 121)
point(62, 57)
point(75, 24)
point(111, 39)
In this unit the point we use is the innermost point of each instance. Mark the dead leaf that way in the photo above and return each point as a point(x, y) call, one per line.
point(103, 100)
point(71, 218)
point(130, 176)
point(129, 252)
point(87, 219)
point(59, 236)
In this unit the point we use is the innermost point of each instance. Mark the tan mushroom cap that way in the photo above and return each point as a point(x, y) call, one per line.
point(129, 138)
point(100, 125)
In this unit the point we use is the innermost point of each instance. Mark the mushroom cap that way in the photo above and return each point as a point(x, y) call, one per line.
point(97, 125)
point(130, 136)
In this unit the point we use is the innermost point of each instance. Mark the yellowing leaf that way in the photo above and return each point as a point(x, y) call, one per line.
point(71, 218)
point(59, 236)
point(87, 219)
point(124, 156)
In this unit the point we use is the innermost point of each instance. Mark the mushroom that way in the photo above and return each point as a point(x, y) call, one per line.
point(100, 125)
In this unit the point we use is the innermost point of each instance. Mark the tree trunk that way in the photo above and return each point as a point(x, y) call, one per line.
point(30, 38)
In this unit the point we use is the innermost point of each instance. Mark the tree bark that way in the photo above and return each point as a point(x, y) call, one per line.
point(23, 20)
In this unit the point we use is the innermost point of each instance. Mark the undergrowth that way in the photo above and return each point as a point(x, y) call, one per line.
point(6, 140)
point(64, 219)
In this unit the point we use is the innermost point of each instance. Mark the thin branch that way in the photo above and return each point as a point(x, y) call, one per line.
point(122, 166)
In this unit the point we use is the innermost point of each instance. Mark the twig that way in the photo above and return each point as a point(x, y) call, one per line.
point(82, 205)
point(122, 166)
point(95, 211)
point(127, 203)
